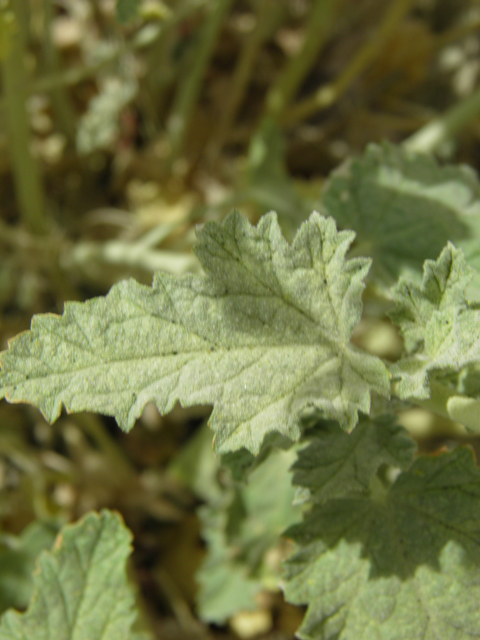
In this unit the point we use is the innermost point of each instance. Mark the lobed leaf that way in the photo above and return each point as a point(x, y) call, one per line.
point(335, 463)
point(262, 336)
point(81, 588)
point(399, 566)
point(440, 327)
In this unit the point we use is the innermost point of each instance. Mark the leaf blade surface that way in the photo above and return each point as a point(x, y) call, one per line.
point(262, 336)
point(403, 568)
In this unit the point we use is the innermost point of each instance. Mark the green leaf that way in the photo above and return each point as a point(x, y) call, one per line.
point(441, 329)
point(225, 585)
point(81, 589)
point(404, 208)
point(404, 566)
point(17, 561)
point(127, 10)
point(242, 534)
point(336, 463)
point(262, 336)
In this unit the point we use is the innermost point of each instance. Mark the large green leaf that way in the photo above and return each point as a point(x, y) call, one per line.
point(336, 463)
point(441, 329)
point(404, 565)
point(404, 208)
point(262, 336)
point(81, 589)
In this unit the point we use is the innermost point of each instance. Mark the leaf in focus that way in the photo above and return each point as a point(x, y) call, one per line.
point(265, 334)
point(440, 327)
point(403, 566)
point(81, 587)
point(404, 208)
point(336, 463)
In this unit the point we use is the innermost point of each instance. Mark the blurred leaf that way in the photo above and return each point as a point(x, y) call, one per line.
point(127, 10)
point(17, 561)
point(404, 208)
point(98, 128)
point(241, 531)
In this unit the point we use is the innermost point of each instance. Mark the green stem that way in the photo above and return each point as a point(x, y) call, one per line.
point(327, 95)
point(287, 84)
point(62, 105)
point(26, 172)
point(269, 17)
point(436, 132)
point(189, 89)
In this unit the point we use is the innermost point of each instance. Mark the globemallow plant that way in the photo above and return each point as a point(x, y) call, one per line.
point(386, 542)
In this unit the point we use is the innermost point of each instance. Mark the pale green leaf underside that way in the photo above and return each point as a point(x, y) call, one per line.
point(404, 208)
point(263, 335)
point(336, 463)
point(407, 568)
point(81, 588)
point(441, 329)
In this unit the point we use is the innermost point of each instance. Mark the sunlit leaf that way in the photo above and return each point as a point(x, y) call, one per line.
point(265, 334)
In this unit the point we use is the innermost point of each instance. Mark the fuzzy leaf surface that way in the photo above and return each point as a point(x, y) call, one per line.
point(81, 588)
point(405, 566)
point(404, 208)
point(441, 329)
point(264, 334)
point(336, 463)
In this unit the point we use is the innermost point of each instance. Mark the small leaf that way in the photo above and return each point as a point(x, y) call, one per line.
point(336, 463)
point(441, 328)
point(405, 566)
point(265, 334)
point(81, 589)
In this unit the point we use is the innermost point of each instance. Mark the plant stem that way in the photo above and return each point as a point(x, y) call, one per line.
point(269, 16)
point(327, 95)
point(432, 135)
point(62, 106)
point(288, 82)
point(189, 89)
point(26, 172)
